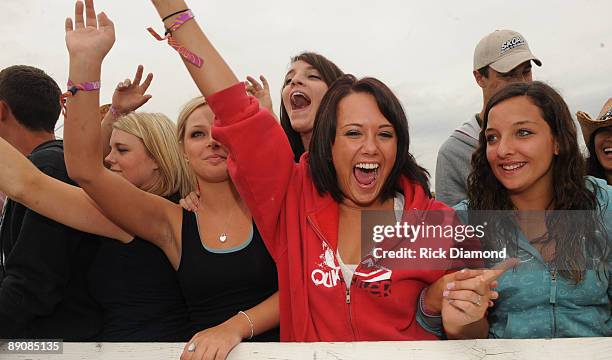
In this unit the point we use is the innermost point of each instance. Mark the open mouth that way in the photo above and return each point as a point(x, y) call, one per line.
point(366, 174)
point(607, 151)
point(299, 100)
point(513, 167)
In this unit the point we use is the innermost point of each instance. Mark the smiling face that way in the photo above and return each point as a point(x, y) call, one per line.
point(520, 147)
point(205, 155)
point(603, 148)
point(364, 149)
point(301, 95)
point(130, 159)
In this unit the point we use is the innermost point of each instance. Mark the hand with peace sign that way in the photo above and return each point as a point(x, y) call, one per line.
point(129, 94)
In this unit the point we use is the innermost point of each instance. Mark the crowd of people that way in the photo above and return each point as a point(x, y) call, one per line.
point(237, 225)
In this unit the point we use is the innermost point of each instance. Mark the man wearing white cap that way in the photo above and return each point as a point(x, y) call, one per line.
point(501, 58)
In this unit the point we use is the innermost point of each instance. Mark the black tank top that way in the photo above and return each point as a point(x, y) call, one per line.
point(139, 292)
point(219, 283)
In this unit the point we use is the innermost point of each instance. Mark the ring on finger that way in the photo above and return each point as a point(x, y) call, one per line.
point(191, 347)
point(478, 301)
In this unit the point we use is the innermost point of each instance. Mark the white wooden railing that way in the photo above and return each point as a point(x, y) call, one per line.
point(542, 349)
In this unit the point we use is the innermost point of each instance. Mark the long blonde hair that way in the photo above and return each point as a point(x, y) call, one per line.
point(158, 134)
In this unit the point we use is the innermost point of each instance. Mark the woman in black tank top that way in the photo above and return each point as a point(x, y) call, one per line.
point(224, 266)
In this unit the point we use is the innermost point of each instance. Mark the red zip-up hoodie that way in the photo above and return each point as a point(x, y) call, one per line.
point(300, 229)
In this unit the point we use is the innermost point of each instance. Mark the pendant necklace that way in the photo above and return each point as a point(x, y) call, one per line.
point(223, 235)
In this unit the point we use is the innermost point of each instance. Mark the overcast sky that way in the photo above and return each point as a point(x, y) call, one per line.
point(422, 50)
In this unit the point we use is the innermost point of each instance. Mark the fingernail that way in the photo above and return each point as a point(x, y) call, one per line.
point(450, 301)
point(445, 293)
point(450, 285)
point(463, 271)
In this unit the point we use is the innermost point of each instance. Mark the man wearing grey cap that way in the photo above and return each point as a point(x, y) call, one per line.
point(501, 58)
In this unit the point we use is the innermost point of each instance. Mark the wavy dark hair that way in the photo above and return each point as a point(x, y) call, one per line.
point(324, 134)
point(329, 72)
point(570, 192)
point(594, 167)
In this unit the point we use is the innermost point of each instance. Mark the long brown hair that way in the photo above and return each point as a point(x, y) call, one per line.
point(570, 192)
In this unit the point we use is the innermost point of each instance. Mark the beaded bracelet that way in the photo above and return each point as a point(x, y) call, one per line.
point(190, 57)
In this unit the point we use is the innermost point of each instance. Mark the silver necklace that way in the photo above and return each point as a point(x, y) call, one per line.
point(223, 235)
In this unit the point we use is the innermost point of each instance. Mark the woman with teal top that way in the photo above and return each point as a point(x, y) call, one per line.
point(529, 164)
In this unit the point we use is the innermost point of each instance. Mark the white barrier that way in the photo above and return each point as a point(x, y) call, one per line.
point(542, 349)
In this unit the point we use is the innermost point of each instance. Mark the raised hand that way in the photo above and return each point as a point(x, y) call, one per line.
point(130, 94)
point(89, 36)
point(260, 91)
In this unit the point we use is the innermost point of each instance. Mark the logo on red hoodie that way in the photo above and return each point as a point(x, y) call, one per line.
point(372, 277)
point(328, 273)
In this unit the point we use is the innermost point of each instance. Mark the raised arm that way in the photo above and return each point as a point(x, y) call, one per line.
point(148, 216)
point(214, 75)
point(23, 182)
point(261, 161)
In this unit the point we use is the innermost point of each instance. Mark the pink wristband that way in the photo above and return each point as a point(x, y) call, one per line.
point(86, 86)
point(113, 110)
point(182, 50)
point(74, 88)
